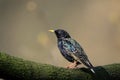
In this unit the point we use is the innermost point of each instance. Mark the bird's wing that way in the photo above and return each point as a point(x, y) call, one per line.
point(73, 47)
point(82, 55)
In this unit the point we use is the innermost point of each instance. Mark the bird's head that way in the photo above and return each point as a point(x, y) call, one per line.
point(61, 33)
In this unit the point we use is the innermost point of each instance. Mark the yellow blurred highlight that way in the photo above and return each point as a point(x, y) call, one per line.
point(31, 6)
point(43, 39)
point(114, 18)
point(51, 30)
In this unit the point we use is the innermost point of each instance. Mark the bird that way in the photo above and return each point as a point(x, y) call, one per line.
point(71, 50)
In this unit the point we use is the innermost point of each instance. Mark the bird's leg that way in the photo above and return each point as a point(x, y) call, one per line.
point(73, 65)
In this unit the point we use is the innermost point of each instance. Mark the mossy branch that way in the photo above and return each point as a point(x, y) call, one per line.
point(13, 68)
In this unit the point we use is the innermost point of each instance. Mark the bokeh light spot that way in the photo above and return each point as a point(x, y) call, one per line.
point(31, 6)
point(43, 39)
point(115, 18)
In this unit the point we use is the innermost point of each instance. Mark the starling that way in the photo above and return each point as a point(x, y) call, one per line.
point(71, 49)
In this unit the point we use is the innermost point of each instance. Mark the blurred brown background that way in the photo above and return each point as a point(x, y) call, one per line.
point(95, 24)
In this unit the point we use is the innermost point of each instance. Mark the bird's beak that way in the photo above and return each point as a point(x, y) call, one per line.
point(51, 30)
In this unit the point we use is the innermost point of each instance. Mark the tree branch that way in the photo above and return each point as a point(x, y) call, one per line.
point(13, 68)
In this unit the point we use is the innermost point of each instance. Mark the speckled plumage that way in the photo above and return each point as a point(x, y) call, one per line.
point(71, 49)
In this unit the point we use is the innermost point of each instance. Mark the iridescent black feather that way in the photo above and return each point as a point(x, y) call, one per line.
point(71, 49)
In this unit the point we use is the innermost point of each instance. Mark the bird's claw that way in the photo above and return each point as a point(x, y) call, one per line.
point(72, 65)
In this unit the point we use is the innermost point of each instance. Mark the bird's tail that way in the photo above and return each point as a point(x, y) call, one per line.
point(92, 70)
point(91, 67)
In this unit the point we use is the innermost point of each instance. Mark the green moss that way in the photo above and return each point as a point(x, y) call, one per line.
point(114, 71)
point(18, 69)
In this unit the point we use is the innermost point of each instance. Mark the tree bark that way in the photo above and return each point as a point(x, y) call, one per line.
point(13, 68)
